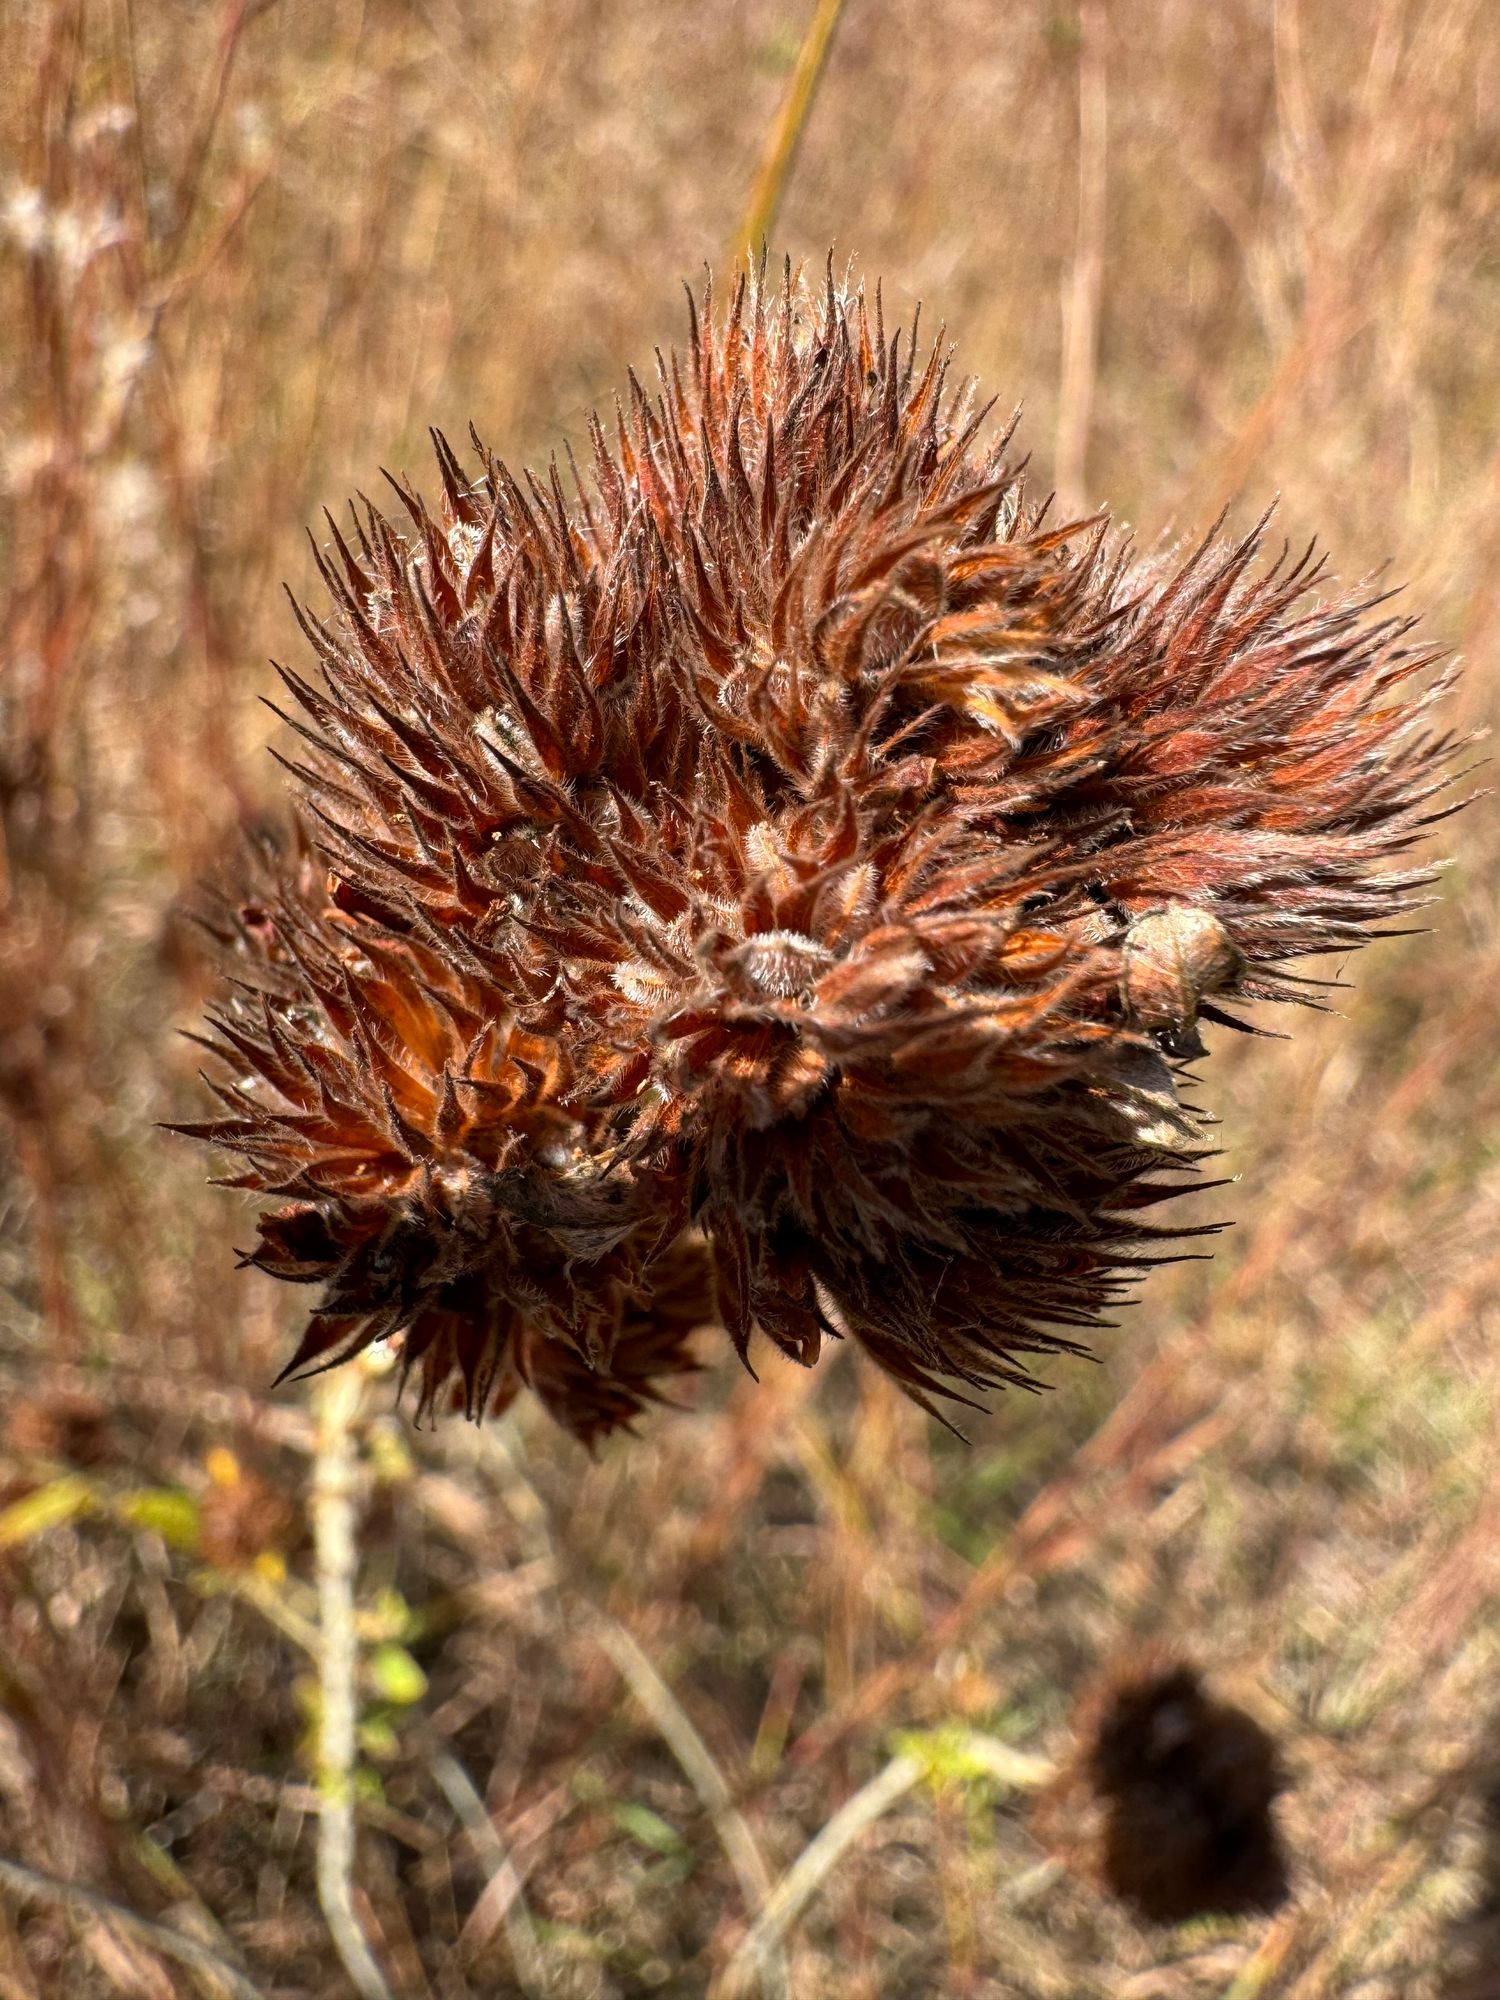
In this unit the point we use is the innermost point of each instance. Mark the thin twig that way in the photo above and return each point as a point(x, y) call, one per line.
point(803, 1879)
point(786, 134)
point(238, 17)
point(1018, 1770)
point(503, 1900)
point(34, 1885)
point(336, 1400)
point(676, 1730)
point(666, 1712)
point(1081, 303)
point(1013, 1768)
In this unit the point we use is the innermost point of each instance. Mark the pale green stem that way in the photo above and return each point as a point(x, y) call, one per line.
point(336, 1401)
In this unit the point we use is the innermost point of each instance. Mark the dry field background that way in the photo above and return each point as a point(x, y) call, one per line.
point(248, 252)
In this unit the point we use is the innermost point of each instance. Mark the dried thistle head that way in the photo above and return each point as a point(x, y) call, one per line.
point(769, 879)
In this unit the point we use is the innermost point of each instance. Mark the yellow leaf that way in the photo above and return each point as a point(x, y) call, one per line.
point(48, 1507)
point(396, 1675)
point(162, 1510)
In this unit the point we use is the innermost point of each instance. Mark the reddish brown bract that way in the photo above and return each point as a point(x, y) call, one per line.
point(761, 888)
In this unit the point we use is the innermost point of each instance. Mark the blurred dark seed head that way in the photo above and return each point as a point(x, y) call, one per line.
point(67, 1426)
point(1167, 1801)
point(770, 878)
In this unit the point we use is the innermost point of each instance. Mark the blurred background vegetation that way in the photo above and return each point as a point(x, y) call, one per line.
point(248, 253)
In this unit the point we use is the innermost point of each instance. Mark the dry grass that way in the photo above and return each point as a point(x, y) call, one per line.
point(250, 252)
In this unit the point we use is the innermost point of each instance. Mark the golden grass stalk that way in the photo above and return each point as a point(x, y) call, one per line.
point(785, 135)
